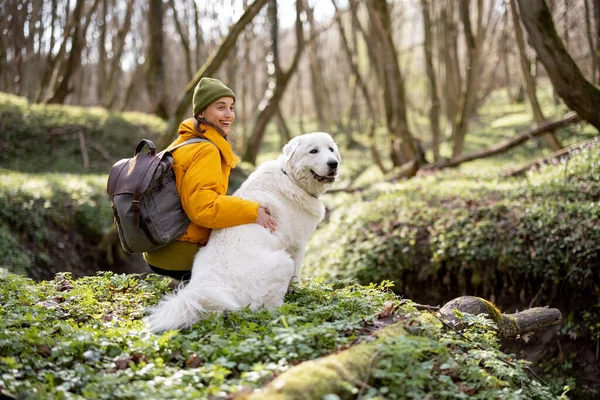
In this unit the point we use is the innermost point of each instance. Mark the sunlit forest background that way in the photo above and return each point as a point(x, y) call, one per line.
point(469, 136)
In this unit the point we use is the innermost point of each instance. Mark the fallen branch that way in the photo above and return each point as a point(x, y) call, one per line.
point(100, 150)
point(509, 325)
point(83, 148)
point(555, 155)
point(568, 119)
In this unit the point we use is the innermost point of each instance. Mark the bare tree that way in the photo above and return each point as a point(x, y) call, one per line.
point(61, 79)
point(109, 94)
point(155, 65)
point(434, 110)
point(538, 115)
point(183, 37)
point(319, 87)
point(570, 84)
point(590, 38)
point(278, 83)
point(596, 4)
point(402, 146)
point(474, 40)
point(360, 82)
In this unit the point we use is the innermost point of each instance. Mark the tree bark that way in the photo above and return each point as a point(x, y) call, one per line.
point(319, 90)
point(66, 70)
point(596, 6)
point(468, 98)
point(402, 145)
point(273, 96)
point(509, 144)
point(509, 325)
point(590, 38)
point(110, 94)
point(577, 93)
point(434, 109)
point(101, 74)
point(185, 43)
point(351, 58)
point(538, 116)
point(210, 66)
point(155, 64)
point(449, 54)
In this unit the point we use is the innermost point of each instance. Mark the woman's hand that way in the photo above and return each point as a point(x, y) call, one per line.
point(265, 220)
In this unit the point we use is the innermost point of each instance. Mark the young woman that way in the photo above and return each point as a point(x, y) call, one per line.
point(202, 176)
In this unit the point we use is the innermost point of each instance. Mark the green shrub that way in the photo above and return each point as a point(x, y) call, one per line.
point(52, 222)
point(46, 138)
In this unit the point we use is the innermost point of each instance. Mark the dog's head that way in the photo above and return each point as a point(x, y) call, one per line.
point(313, 159)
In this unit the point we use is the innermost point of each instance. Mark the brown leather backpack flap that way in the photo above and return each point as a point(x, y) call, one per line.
point(132, 175)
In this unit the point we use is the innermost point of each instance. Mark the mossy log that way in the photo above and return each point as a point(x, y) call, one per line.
point(338, 373)
point(509, 325)
point(342, 372)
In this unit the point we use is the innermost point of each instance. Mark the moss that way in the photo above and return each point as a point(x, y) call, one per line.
point(492, 311)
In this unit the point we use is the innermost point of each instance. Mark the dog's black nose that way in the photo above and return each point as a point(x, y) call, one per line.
point(332, 164)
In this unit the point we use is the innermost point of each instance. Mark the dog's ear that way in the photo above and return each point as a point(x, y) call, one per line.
point(337, 152)
point(290, 148)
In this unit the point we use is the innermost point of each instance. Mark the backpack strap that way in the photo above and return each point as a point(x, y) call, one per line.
point(189, 141)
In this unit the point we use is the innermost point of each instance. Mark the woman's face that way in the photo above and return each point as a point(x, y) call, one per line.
point(220, 113)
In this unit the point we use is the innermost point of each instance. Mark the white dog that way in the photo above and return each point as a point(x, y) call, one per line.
point(247, 265)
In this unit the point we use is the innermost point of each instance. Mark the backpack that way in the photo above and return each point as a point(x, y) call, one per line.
point(145, 203)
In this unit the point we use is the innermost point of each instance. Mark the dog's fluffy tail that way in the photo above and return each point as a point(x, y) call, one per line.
point(187, 306)
point(176, 311)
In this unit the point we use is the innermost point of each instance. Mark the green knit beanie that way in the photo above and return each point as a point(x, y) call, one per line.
point(207, 91)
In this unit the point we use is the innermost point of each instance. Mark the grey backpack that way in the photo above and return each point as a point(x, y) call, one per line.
point(146, 206)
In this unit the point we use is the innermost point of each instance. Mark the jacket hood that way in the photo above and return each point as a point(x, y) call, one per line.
point(187, 131)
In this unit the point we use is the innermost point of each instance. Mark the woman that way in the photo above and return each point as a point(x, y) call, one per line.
point(202, 176)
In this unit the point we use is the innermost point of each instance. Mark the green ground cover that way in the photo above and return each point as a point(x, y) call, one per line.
point(86, 339)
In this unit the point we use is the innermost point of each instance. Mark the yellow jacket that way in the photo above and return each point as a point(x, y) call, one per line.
point(202, 176)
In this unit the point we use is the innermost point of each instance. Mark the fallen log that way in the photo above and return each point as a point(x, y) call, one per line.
point(343, 372)
point(555, 155)
point(568, 119)
point(509, 325)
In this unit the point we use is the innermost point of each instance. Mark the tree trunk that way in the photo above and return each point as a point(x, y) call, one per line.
point(590, 38)
point(199, 36)
point(185, 43)
point(578, 94)
point(210, 66)
point(50, 59)
point(468, 98)
point(505, 57)
point(434, 110)
point(101, 74)
point(66, 70)
point(284, 131)
point(596, 5)
point(449, 54)
point(351, 58)
point(110, 93)
point(155, 64)
point(538, 116)
point(508, 325)
point(402, 146)
point(320, 94)
point(273, 96)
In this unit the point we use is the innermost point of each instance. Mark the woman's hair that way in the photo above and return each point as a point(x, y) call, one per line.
point(199, 121)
